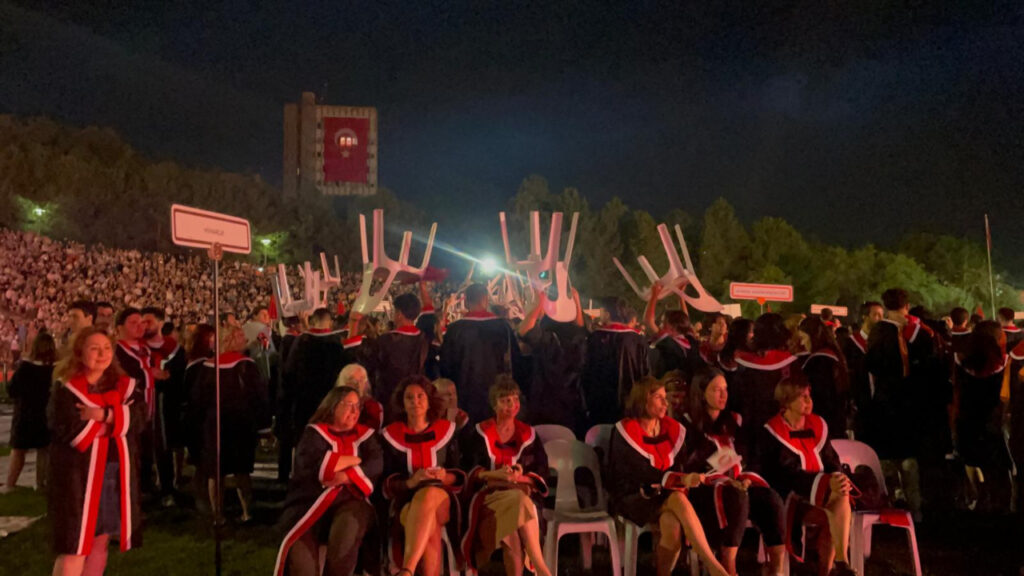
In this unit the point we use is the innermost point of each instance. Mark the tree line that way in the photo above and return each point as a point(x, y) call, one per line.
point(89, 185)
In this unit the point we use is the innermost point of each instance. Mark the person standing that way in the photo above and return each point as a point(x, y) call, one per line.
point(616, 360)
point(96, 413)
point(30, 390)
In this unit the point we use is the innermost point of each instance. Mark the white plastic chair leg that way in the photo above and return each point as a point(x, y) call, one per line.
point(612, 534)
point(586, 550)
point(694, 561)
point(856, 551)
point(551, 547)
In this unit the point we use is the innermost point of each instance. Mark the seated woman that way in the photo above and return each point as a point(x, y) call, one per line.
point(337, 463)
point(95, 414)
point(420, 455)
point(721, 454)
point(647, 485)
point(797, 460)
point(507, 465)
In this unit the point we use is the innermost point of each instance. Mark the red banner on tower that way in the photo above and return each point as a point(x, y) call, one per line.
point(346, 142)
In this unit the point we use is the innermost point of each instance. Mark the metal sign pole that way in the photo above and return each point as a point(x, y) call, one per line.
point(216, 253)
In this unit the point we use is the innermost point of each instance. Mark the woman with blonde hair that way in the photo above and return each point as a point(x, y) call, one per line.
point(95, 413)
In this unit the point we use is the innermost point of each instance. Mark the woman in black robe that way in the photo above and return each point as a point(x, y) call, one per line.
point(716, 448)
point(244, 415)
point(96, 413)
point(507, 466)
point(30, 390)
point(647, 485)
point(752, 389)
point(796, 459)
point(338, 461)
point(421, 479)
point(981, 377)
point(827, 373)
point(616, 359)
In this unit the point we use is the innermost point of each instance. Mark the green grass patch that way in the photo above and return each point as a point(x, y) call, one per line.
point(5, 450)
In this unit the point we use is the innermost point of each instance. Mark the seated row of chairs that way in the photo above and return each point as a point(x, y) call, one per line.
point(566, 455)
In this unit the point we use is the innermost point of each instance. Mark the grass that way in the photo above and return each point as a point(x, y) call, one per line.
point(175, 542)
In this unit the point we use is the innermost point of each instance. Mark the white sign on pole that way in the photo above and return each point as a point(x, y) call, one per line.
point(732, 310)
point(201, 229)
point(767, 292)
point(1018, 315)
point(840, 311)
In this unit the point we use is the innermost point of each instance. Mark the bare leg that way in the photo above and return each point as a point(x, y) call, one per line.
point(512, 554)
point(680, 507)
point(96, 561)
point(839, 513)
point(179, 468)
point(68, 565)
point(212, 487)
point(776, 558)
point(16, 463)
point(529, 537)
point(421, 524)
point(244, 483)
point(728, 558)
point(42, 468)
point(430, 564)
point(670, 543)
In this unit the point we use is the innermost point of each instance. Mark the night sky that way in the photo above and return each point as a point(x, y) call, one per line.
point(855, 121)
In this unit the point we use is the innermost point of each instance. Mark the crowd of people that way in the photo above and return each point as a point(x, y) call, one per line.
point(398, 434)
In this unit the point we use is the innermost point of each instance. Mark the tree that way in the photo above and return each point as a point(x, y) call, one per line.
point(724, 248)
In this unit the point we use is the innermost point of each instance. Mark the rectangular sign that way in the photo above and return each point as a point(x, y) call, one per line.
point(732, 310)
point(1018, 315)
point(767, 292)
point(836, 310)
point(201, 229)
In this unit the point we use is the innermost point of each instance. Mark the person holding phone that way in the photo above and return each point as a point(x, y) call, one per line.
point(647, 484)
point(421, 456)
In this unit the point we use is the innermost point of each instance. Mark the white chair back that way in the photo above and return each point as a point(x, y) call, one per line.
point(599, 437)
point(549, 432)
point(854, 454)
point(565, 457)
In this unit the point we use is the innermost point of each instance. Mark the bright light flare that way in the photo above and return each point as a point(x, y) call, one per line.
point(488, 265)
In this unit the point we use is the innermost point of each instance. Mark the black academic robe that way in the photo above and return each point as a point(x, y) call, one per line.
point(30, 389)
point(722, 434)
point(244, 413)
point(484, 451)
point(171, 393)
point(192, 431)
point(136, 362)
point(477, 348)
point(79, 455)
point(394, 356)
point(855, 347)
point(671, 352)
point(427, 323)
point(828, 378)
point(930, 384)
point(405, 452)
point(1014, 336)
point(797, 463)
point(310, 496)
point(558, 350)
point(1016, 408)
point(752, 394)
point(891, 428)
point(958, 340)
point(312, 369)
point(616, 359)
point(638, 467)
point(979, 423)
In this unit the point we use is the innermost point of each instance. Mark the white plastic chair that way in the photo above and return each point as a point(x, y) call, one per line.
point(565, 457)
point(598, 438)
point(549, 432)
point(854, 454)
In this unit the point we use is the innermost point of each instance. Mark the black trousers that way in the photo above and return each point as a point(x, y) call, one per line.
point(732, 511)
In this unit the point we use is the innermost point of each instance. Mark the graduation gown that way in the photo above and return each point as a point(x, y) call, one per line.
point(558, 350)
point(638, 466)
point(890, 430)
point(312, 369)
point(1014, 336)
point(752, 395)
point(855, 347)
point(484, 451)
point(191, 413)
point(930, 384)
point(245, 412)
point(395, 355)
point(797, 463)
point(673, 352)
point(477, 348)
point(616, 359)
point(1016, 408)
point(310, 496)
point(828, 380)
point(979, 422)
point(79, 455)
point(30, 390)
point(136, 362)
point(171, 393)
point(405, 452)
point(426, 323)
